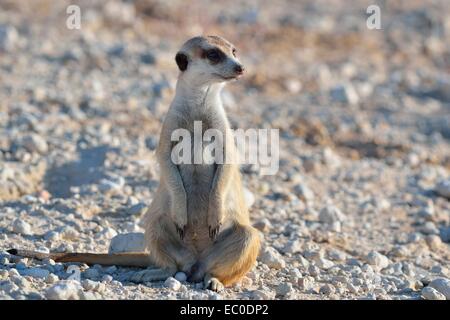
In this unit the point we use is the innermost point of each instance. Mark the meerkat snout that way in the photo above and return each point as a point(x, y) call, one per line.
point(208, 59)
point(239, 69)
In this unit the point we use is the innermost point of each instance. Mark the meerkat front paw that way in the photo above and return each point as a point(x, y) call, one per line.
point(215, 217)
point(179, 217)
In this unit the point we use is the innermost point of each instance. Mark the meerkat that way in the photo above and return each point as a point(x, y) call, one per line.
point(198, 222)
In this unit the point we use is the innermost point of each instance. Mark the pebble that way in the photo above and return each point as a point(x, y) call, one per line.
point(181, 276)
point(443, 188)
point(127, 242)
point(304, 193)
point(327, 289)
point(9, 37)
point(306, 283)
point(21, 227)
point(434, 242)
point(4, 261)
point(344, 94)
point(272, 258)
point(284, 289)
point(111, 186)
point(324, 263)
point(378, 260)
point(51, 278)
point(442, 285)
point(293, 246)
point(64, 290)
point(429, 228)
point(34, 143)
point(429, 293)
point(3, 274)
point(172, 284)
point(107, 278)
point(262, 295)
point(331, 214)
point(13, 272)
point(263, 225)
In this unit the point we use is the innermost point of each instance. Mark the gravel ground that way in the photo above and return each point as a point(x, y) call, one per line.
point(359, 208)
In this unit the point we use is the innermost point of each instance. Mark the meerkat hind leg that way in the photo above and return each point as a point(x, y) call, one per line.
point(232, 255)
point(154, 274)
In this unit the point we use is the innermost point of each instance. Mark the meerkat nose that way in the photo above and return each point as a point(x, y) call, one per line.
point(239, 69)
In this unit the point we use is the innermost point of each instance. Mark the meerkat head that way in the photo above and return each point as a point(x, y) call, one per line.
point(209, 59)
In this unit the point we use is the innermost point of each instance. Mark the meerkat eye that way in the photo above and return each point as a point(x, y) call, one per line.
point(234, 52)
point(213, 55)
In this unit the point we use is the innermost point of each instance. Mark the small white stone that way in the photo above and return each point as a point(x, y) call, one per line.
point(331, 214)
point(181, 276)
point(127, 242)
point(442, 285)
point(109, 233)
point(443, 188)
point(52, 236)
point(35, 143)
point(69, 233)
point(345, 93)
point(13, 272)
point(21, 227)
point(284, 289)
point(51, 278)
point(64, 290)
point(263, 225)
point(306, 283)
point(293, 246)
point(107, 278)
point(4, 274)
point(324, 263)
point(433, 241)
point(89, 284)
point(43, 249)
point(272, 258)
point(303, 192)
point(429, 293)
point(327, 289)
point(262, 295)
point(172, 284)
point(375, 258)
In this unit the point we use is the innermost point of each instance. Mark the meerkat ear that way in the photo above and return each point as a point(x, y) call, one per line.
point(182, 61)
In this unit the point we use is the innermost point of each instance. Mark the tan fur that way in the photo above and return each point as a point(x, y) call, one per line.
point(198, 221)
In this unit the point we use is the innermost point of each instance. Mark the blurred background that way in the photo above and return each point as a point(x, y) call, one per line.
point(363, 114)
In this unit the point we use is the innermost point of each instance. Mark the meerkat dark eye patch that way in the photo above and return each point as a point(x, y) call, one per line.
point(182, 61)
point(214, 55)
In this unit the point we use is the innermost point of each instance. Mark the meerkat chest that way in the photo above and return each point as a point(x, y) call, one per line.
point(197, 146)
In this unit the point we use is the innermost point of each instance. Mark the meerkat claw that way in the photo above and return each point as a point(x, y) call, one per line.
point(213, 232)
point(180, 231)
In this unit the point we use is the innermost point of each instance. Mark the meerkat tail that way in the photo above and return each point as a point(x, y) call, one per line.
point(125, 259)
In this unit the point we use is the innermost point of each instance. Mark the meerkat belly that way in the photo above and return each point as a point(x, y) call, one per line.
point(197, 180)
